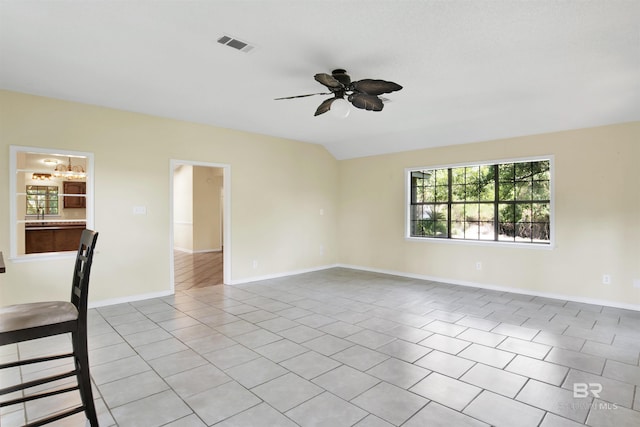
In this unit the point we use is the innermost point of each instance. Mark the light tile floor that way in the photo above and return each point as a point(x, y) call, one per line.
point(348, 348)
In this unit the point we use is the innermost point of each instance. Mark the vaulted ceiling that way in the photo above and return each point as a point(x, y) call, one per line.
point(471, 70)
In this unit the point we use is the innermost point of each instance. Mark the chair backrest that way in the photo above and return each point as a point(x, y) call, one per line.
point(82, 270)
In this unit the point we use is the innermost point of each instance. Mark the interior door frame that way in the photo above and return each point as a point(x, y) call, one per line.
point(226, 216)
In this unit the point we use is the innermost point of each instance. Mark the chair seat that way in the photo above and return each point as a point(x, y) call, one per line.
point(33, 315)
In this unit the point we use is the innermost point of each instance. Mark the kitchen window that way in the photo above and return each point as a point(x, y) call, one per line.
point(42, 200)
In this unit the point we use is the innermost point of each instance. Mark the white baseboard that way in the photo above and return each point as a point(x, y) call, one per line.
point(573, 298)
point(278, 275)
point(615, 304)
point(131, 298)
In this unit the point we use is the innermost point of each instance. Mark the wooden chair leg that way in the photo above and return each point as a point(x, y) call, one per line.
point(84, 379)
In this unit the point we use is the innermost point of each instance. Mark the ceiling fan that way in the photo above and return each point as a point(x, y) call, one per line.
point(361, 94)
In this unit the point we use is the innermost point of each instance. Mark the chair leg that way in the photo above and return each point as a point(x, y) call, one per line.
point(84, 379)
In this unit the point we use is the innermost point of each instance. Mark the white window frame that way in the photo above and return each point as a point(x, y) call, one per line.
point(552, 223)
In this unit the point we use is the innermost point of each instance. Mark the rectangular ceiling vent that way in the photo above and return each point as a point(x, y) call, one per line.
point(236, 44)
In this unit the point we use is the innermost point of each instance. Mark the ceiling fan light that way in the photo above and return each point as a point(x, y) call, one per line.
point(340, 108)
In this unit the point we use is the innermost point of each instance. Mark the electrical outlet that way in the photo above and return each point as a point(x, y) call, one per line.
point(636, 283)
point(606, 279)
point(255, 263)
point(321, 250)
point(478, 265)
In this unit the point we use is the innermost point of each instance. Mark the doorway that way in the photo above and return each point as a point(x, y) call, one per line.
point(200, 224)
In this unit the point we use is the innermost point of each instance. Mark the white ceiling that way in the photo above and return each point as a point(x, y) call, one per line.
point(472, 70)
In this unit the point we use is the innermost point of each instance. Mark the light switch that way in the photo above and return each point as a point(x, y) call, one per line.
point(139, 210)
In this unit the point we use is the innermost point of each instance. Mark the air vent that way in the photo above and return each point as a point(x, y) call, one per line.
point(235, 43)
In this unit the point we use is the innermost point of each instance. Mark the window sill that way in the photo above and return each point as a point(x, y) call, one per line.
point(43, 256)
point(485, 243)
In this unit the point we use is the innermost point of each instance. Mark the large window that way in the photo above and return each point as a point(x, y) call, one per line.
point(501, 202)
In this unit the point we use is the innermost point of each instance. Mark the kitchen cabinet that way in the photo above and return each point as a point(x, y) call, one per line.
point(52, 238)
point(74, 187)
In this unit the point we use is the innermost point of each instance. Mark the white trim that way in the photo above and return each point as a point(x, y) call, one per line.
point(226, 221)
point(132, 298)
point(573, 298)
point(13, 220)
point(284, 274)
point(486, 243)
point(552, 238)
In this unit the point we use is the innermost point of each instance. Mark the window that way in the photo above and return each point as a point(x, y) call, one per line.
point(42, 200)
point(501, 202)
point(51, 201)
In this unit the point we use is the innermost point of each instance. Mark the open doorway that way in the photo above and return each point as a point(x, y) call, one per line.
point(200, 228)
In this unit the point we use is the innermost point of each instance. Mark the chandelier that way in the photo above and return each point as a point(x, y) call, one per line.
point(69, 171)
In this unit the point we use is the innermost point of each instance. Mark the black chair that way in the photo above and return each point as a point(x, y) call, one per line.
point(23, 322)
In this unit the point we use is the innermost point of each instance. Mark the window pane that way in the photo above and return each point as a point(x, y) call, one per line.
point(540, 212)
point(523, 190)
point(541, 232)
point(472, 230)
point(416, 212)
point(458, 193)
point(457, 229)
point(523, 171)
point(442, 177)
point(457, 212)
point(488, 192)
point(417, 195)
point(523, 231)
point(472, 174)
point(487, 231)
point(457, 176)
point(541, 170)
point(486, 212)
point(429, 177)
point(471, 212)
point(472, 193)
point(442, 193)
point(523, 212)
point(506, 231)
point(541, 190)
point(506, 191)
point(506, 213)
point(506, 172)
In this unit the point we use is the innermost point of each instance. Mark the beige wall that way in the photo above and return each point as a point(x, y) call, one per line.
point(278, 187)
point(597, 217)
point(207, 211)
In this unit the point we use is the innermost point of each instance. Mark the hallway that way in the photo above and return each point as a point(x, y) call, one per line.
point(197, 270)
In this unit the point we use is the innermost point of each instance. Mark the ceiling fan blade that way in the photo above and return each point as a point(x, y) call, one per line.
point(366, 102)
point(325, 106)
point(328, 80)
point(303, 96)
point(375, 87)
point(341, 76)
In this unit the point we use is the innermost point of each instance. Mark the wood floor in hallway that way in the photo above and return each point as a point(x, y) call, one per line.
point(197, 270)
